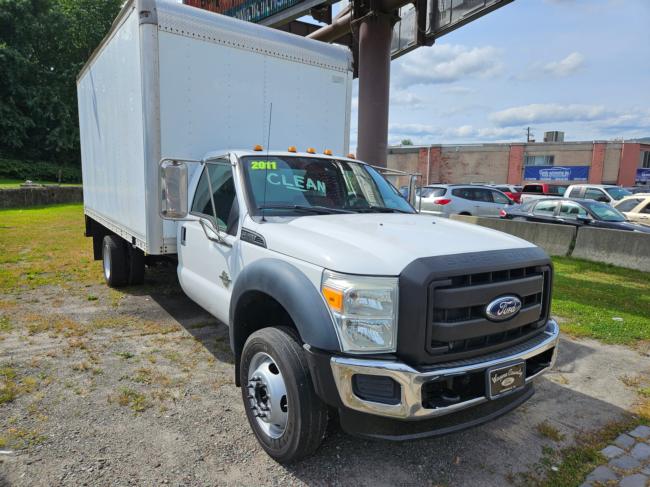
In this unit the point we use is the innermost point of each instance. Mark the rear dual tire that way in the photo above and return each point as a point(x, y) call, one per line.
point(122, 264)
point(285, 413)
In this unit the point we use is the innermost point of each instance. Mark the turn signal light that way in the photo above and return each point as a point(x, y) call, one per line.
point(441, 201)
point(351, 156)
point(327, 152)
point(311, 150)
point(258, 148)
point(334, 298)
point(502, 213)
point(292, 148)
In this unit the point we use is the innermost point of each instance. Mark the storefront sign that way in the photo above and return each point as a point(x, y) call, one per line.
point(556, 173)
point(643, 174)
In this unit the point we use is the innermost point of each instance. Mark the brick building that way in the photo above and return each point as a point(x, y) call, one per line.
point(616, 162)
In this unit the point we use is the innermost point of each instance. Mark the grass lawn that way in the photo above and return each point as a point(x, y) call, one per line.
point(15, 183)
point(601, 301)
point(46, 246)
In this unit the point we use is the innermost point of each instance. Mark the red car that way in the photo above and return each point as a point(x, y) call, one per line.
point(511, 191)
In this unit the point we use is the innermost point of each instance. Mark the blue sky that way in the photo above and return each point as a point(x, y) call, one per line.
point(580, 66)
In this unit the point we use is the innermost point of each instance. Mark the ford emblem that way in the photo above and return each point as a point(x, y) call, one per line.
point(503, 308)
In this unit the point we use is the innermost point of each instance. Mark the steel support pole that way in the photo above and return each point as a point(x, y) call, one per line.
point(375, 33)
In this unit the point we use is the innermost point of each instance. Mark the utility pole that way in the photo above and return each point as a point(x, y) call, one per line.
point(529, 135)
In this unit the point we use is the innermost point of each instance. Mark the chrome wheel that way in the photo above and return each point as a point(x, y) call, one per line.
point(106, 258)
point(267, 395)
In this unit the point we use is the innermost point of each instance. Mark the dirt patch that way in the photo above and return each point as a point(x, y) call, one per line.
point(136, 387)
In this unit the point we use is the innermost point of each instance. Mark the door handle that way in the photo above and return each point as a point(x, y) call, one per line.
point(183, 234)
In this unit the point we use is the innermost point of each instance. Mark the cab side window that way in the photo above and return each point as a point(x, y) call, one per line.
point(465, 193)
point(646, 210)
point(226, 211)
point(500, 198)
point(595, 194)
point(572, 211)
point(628, 205)
point(575, 193)
point(545, 208)
point(482, 195)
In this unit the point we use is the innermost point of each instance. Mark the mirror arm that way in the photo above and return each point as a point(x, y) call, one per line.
point(219, 239)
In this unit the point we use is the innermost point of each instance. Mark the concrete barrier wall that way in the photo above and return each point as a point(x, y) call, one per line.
point(554, 239)
point(617, 247)
point(624, 249)
point(24, 197)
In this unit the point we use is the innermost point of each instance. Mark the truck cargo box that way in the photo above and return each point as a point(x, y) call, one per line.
point(170, 80)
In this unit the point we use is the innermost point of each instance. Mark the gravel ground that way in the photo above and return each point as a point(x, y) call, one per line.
point(136, 388)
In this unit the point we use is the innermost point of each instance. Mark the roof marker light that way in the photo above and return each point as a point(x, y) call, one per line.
point(258, 148)
point(351, 156)
point(311, 150)
point(292, 148)
point(327, 152)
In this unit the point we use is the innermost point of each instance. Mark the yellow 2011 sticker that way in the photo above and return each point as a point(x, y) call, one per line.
point(263, 165)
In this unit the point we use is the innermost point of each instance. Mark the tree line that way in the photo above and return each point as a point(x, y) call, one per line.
point(43, 45)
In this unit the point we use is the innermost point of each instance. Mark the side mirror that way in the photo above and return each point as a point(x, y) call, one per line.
point(584, 220)
point(173, 189)
point(603, 199)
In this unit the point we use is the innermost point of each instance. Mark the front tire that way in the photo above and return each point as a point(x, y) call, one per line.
point(285, 413)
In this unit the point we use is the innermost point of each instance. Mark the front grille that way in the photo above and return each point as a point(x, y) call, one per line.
point(457, 324)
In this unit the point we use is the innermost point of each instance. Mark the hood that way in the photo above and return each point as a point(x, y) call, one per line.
point(377, 243)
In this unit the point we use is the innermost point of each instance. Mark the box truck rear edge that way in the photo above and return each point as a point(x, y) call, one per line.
point(175, 81)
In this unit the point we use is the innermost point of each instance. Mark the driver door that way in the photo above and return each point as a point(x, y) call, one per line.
point(206, 254)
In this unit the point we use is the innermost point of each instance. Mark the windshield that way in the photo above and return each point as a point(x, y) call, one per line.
point(606, 213)
point(301, 185)
point(618, 193)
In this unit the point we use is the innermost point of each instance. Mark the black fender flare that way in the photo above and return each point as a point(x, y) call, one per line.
point(296, 294)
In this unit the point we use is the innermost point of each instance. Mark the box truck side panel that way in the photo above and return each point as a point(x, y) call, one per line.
point(111, 129)
point(218, 78)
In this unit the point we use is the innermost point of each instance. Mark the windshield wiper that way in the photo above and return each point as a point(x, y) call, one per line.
point(318, 210)
point(381, 209)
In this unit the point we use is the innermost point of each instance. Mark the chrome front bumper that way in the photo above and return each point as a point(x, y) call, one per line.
point(412, 380)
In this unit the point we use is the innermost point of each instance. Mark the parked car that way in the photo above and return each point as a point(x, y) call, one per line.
point(568, 211)
point(605, 193)
point(539, 190)
point(511, 191)
point(463, 199)
point(636, 207)
point(639, 189)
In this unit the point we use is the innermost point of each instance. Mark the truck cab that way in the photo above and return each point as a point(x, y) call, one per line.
point(340, 297)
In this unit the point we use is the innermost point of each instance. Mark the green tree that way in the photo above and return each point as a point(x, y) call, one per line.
point(407, 142)
point(43, 44)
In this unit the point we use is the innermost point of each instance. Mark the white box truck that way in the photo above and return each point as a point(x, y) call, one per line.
point(337, 294)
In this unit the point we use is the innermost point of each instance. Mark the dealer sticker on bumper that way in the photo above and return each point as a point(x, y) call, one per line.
point(506, 379)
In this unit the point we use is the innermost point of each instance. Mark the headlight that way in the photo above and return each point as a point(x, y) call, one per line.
point(364, 311)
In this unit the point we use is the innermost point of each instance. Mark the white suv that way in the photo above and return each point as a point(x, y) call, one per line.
point(463, 199)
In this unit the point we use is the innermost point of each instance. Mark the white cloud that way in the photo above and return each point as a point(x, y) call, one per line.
point(447, 63)
point(565, 67)
point(546, 113)
point(405, 98)
point(457, 90)
point(429, 134)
